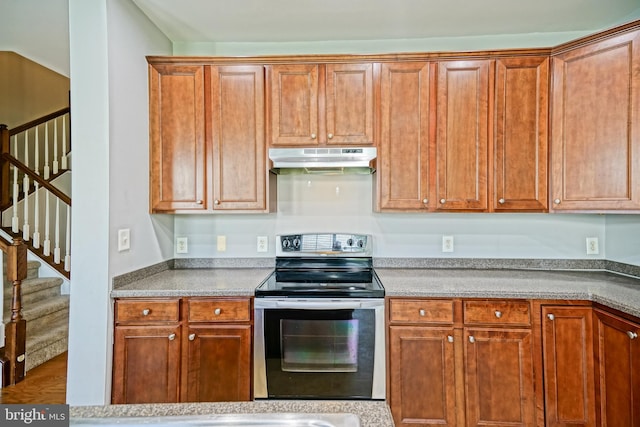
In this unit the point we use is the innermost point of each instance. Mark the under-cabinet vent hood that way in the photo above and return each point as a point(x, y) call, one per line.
point(326, 161)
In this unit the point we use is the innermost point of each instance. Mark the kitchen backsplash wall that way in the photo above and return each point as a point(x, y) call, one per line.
point(310, 203)
point(623, 238)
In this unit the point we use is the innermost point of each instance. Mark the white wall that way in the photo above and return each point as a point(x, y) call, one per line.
point(109, 39)
point(344, 203)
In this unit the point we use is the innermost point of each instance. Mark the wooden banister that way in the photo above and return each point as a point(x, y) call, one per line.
point(9, 159)
point(39, 121)
point(16, 329)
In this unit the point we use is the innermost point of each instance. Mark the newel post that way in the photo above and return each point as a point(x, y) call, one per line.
point(16, 328)
point(5, 187)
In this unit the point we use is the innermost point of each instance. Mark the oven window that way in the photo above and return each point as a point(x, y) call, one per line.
point(319, 345)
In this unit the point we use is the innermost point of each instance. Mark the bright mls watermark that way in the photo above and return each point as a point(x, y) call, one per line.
point(34, 415)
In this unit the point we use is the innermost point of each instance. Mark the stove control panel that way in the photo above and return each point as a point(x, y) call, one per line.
point(325, 244)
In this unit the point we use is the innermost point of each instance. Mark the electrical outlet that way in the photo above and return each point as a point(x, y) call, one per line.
point(447, 243)
point(222, 243)
point(592, 246)
point(124, 240)
point(182, 245)
point(263, 244)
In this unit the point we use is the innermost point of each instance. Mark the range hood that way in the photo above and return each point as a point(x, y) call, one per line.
point(325, 160)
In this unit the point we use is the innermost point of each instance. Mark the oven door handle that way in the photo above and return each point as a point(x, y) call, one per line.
point(325, 305)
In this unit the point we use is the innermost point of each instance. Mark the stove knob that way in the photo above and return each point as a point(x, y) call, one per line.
point(296, 243)
point(286, 243)
point(361, 243)
point(349, 242)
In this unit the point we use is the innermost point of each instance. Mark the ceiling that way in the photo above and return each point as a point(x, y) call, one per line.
point(223, 21)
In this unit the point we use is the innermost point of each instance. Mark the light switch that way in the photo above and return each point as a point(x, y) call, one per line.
point(124, 240)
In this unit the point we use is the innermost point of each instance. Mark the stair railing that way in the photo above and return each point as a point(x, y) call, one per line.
point(33, 205)
point(16, 329)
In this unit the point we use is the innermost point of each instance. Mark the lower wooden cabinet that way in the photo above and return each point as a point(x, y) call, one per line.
point(568, 365)
point(618, 370)
point(201, 355)
point(461, 363)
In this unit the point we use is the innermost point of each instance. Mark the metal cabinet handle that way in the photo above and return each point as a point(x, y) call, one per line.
point(313, 136)
point(632, 335)
point(330, 136)
point(443, 201)
point(199, 202)
point(192, 337)
point(450, 338)
point(501, 201)
point(172, 337)
point(472, 339)
point(216, 202)
point(217, 311)
point(422, 312)
point(425, 201)
point(146, 312)
point(556, 201)
point(498, 314)
point(550, 316)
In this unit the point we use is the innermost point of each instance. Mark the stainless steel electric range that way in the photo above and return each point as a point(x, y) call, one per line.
point(319, 321)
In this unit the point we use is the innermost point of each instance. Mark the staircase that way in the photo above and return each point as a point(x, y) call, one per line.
point(46, 312)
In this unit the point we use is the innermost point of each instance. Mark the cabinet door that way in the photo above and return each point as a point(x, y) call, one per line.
point(618, 371)
point(499, 377)
point(239, 152)
point(462, 134)
point(567, 344)
point(217, 366)
point(404, 157)
point(349, 104)
point(146, 364)
point(422, 376)
point(294, 104)
point(520, 156)
point(595, 138)
point(177, 133)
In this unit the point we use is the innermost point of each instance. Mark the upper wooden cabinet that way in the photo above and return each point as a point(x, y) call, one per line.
point(595, 129)
point(521, 129)
point(237, 130)
point(404, 151)
point(318, 104)
point(462, 136)
point(177, 138)
point(207, 143)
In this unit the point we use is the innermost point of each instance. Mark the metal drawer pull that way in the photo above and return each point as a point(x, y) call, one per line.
point(330, 136)
point(146, 312)
point(192, 337)
point(556, 201)
point(472, 339)
point(498, 314)
point(501, 201)
point(443, 201)
point(313, 136)
point(551, 316)
point(450, 338)
point(632, 335)
point(199, 202)
point(172, 337)
point(425, 201)
point(217, 311)
point(422, 312)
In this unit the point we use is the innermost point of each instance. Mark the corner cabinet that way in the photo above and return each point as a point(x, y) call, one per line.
point(178, 154)
point(461, 362)
point(161, 356)
point(207, 139)
point(595, 133)
point(321, 104)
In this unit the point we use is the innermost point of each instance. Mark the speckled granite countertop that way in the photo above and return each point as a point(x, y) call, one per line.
point(371, 413)
point(613, 290)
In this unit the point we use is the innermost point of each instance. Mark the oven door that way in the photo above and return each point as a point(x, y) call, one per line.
point(319, 349)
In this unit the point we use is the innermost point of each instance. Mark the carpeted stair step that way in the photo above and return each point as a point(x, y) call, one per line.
point(41, 315)
point(46, 344)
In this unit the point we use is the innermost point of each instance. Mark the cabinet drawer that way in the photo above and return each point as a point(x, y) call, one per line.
point(218, 310)
point(421, 311)
point(497, 312)
point(147, 310)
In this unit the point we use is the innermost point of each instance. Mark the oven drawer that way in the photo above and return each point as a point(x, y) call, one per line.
point(219, 310)
point(497, 312)
point(147, 310)
point(421, 311)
